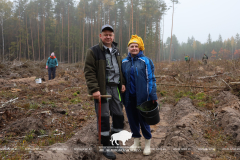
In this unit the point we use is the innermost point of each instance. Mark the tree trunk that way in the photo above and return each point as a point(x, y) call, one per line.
point(162, 36)
point(83, 32)
point(132, 16)
point(159, 48)
point(100, 19)
point(119, 33)
point(115, 21)
point(44, 41)
point(136, 25)
point(80, 30)
point(2, 36)
point(91, 30)
point(101, 16)
point(75, 52)
point(32, 40)
point(20, 42)
point(72, 54)
point(68, 32)
point(95, 30)
point(171, 35)
point(145, 30)
point(129, 28)
point(88, 33)
point(62, 38)
point(108, 14)
point(38, 38)
point(27, 38)
point(159, 58)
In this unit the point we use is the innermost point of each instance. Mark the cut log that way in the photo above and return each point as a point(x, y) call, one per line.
point(234, 82)
point(15, 90)
point(177, 85)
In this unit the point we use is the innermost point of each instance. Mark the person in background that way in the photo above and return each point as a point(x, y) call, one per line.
point(103, 76)
point(140, 82)
point(204, 59)
point(51, 65)
point(187, 59)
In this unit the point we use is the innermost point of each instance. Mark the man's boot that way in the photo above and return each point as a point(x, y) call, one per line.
point(105, 141)
point(120, 150)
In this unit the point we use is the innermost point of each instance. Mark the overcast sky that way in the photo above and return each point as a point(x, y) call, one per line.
point(198, 18)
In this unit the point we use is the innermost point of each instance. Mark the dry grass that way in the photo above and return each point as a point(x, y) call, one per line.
point(66, 92)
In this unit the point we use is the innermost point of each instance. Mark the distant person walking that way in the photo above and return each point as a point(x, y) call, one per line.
point(51, 65)
point(204, 59)
point(187, 59)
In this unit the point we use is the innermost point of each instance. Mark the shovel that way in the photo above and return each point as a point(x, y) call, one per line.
point(99, 115)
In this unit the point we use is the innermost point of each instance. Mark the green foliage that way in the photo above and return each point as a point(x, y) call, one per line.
point(74, 94)
point(42, 132)
point(50, 20)
point(53, 105)
point(33, 106)
point(163, 93)
point(29, 137)
point(216, 102)
point(76, 100)
point(181, 94)
point(201, 104)
point(217, 137)
point(200, 96)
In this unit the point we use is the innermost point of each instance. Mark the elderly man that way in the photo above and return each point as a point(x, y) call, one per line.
point(104, 77)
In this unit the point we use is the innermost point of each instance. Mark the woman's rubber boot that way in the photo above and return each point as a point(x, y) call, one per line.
point(136, 145)
point(147, 149)
point(105, 141)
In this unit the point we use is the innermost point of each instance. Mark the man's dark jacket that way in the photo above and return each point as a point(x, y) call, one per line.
point(95, 69)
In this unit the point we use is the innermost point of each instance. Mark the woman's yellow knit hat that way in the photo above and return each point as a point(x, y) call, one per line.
point(138, 40)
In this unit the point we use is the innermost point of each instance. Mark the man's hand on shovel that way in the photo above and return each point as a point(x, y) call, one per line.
point(97, 95)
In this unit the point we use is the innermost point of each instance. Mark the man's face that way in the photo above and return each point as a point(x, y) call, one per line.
point(107, 37)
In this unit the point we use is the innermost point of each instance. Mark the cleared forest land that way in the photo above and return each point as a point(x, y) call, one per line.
point(200, 116)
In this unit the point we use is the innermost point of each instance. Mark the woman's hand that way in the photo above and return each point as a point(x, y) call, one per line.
point(154, 101)
point(123, 89)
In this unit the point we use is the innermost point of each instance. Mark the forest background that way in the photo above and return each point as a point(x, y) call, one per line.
point(32, 29)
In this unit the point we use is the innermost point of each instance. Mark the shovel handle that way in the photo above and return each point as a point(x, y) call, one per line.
point(103, 96)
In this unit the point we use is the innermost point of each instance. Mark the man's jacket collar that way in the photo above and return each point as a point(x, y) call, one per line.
point(114, 45)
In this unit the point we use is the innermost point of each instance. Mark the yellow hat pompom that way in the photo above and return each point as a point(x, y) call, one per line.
point(138, 40)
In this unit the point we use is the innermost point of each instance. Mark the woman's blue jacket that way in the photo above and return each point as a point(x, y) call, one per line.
point(145, 81)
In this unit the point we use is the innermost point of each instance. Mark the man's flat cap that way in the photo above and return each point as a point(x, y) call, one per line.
point(107, 27)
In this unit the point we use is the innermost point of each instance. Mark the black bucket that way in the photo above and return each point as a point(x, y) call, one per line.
point(150, 112)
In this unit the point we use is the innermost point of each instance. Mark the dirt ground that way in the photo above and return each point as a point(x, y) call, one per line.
point(199, 112)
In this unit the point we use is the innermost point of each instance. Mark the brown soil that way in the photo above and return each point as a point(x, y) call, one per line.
point(57, 116)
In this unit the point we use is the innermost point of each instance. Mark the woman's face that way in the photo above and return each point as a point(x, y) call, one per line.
point(133, 49)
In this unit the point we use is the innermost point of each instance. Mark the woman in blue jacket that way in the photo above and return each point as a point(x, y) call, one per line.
point(51, 65)
point(138, 71)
